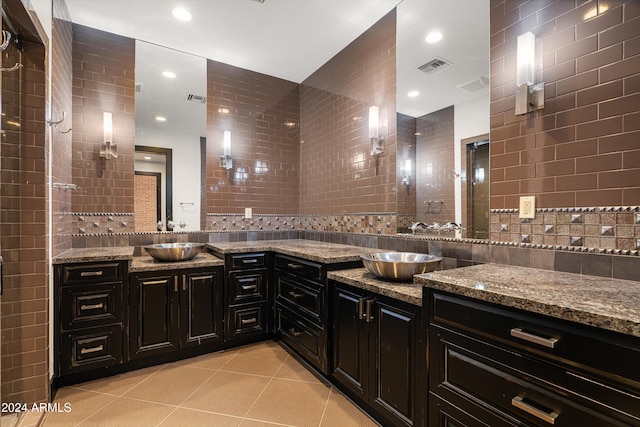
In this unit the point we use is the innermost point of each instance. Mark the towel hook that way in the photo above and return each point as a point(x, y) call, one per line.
point(54, 123)
point(14, 68)
point(6, 38)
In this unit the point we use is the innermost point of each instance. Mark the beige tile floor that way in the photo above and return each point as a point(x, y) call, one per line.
point(252, 386)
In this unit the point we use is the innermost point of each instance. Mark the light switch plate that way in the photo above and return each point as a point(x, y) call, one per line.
point(528, 207)
point(247, 213)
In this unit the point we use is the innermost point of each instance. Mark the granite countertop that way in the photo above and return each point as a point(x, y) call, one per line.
point(94, 255)
point(605, 303)
point(363, 279)
point(147, 263)
point(326, 253)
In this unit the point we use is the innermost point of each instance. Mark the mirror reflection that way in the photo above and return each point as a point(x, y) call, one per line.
point(443, 117)
point(171, 125)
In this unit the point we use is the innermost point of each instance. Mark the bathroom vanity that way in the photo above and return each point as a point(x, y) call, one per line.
point(519, 346)
point(491, 345)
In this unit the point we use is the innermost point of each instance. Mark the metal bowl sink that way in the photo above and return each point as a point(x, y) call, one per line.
point(399, 265)
point(174, 251)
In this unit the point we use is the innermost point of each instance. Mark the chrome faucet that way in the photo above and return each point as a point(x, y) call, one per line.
point(449, 227)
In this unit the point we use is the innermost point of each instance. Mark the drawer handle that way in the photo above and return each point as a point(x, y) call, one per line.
point(294, 266)
point(248, 321)
point(249, 288)
point(293, 332)
point(549, 417)
point(91, 273)
point(91, 349)
point(546, 342)
point(295, 296)
point(250, 261)
point(91, 306)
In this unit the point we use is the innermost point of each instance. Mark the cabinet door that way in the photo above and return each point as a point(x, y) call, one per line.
point(350, 342)
point(393, 354)
point(153, 320)
point(201, 307)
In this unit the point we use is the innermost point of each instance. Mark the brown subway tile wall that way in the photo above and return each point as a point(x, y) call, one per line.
point(434, 155)
point(61, 102)
point(337, 172)
point(103, 81)
point(263, 114)
point(24, 227)
point(406, 149)
point(590, 64)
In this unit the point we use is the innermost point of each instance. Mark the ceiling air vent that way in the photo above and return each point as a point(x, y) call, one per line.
point(197, 98)
point(475, 85)
point(434, 65)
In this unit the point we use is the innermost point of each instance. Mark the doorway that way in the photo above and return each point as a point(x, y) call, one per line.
point(153, 194)
point(478, 189)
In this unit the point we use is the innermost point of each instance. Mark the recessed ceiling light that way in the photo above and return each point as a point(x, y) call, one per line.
point(433, 37)
point(413, 94)
point(181, 14)
point(169, 74)
point(147, 158)
point(161, 119)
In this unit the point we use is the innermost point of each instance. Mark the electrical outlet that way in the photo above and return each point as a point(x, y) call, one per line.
point(247, 213)
point(528, 207)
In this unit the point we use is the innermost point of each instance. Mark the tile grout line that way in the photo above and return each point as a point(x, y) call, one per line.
point(326, 404)
point(265, 387)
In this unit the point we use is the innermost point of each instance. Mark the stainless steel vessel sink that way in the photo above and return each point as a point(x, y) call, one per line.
point(174, 251)
point(399, 265)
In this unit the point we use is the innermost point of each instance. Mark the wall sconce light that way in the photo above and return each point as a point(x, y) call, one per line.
point(529, 96)
point(376, 141)
point(108, 150)
point(225, 160)
point(406, 179)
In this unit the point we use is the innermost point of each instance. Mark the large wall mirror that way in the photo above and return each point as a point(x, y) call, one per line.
point(171, 124)
point(443, 117)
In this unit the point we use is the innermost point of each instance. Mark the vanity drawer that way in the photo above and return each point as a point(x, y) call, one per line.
point(247, 286)
point(247, 320)
point(91, 273)
point(90, 305)
point(300, 295)
point(601, 352)
point(528, 389)
point(90, 348)
point(299, 267)
point(306, 338)
point(251, 260)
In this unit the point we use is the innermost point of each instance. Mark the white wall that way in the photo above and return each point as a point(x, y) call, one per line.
point(470, 119)
point(186, 173)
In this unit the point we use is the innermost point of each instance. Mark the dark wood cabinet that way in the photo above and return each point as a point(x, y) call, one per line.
point(247, 297)
point(174, 309)
point(88, 319)
point(301, 308)
point(377, 346)
point(508, 367)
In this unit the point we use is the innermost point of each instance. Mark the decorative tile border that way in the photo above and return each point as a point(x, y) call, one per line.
point(613, 229)
point(603, 230)
point(100, 222)
point(364, 223)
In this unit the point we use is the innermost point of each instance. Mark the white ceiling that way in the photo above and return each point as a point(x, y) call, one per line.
point(291, 39)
